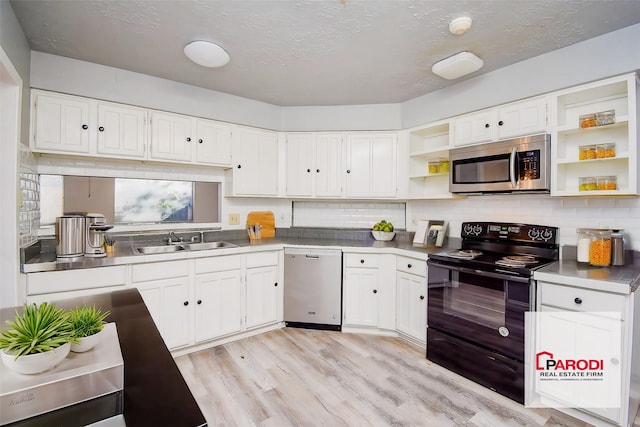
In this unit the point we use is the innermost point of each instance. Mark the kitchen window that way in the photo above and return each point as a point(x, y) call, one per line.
point(128, 201)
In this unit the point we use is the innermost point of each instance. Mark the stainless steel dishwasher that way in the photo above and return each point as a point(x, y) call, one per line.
point(313, 288)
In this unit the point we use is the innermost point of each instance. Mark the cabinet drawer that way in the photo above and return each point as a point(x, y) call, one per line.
point(361, 260)
point(159, 270)
point(218, 263)
point(578, 299)
point(411, 265)
point(73, 280)
point(262, 259)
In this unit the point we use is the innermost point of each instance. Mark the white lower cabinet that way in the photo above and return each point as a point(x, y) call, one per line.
point(411, 299)
point(218, 297)
point(57, 285)
point(166, 290)
point(598, 326)
point(264, 290)
point(368, 291)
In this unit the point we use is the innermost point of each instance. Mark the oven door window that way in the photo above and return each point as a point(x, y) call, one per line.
point(475, 299)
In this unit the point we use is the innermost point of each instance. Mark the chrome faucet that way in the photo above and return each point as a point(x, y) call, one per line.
point(195, 238)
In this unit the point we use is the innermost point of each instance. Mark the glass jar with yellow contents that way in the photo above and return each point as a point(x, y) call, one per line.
point(600, 248)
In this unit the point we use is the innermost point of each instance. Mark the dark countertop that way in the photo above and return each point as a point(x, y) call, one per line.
point(155, 393)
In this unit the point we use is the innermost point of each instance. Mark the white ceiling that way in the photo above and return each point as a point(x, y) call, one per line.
point(314, 52)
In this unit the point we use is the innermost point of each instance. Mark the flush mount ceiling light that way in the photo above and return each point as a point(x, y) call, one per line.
point(206, 54)
point(460, 25)
point(457, 65)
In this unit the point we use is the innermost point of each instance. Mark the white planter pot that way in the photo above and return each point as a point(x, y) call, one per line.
point(87, 343)
point(35, 363)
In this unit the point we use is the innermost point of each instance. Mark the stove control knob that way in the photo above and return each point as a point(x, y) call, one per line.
point(504, 331)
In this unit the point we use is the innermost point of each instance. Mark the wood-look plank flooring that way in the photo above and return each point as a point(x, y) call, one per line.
point(300, 377)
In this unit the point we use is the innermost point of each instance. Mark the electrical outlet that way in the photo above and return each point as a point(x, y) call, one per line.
point(234, 219)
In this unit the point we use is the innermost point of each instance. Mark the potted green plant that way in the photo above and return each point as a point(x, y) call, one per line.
point(87, 323)
point(37, 340)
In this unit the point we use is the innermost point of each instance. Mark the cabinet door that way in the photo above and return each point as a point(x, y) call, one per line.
point(361, 297)
point(475, 128)
point(411, 305)
point(522, 118)
point(62, 124)
point(218, 309)
point(171, 137)
point(168, 301)
point(575, 338)
point(300, 165)
point(213, 143)
point(255, 162)
point(121, 131)
point(329, 165)
point(262, 296)
point(371, 166)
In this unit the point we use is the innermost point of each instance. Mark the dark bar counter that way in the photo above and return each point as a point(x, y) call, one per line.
point(155, 393)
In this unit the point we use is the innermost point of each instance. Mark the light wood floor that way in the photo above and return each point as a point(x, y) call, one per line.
point(299, 377)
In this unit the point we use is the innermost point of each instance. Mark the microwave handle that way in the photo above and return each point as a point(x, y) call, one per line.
point(512, 167)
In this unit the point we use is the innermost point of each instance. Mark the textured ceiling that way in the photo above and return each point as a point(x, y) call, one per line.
point(314, 52)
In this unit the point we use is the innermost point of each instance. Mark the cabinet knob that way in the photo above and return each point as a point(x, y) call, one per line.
point(409, 265)
point(188, 139)
point(185, 303)
point(101, 128)
point(199, 141)
point(500, 123)
point(308, 170)
point(614, 361)
point(421, 297)
point(317, 170)
point(578, 300)
point(239, 166)
point(348, 170)
point(275, 284)
point(85, 127)
point(199, 301)
point(375, 291)
point(361, 261)
point(486, 125)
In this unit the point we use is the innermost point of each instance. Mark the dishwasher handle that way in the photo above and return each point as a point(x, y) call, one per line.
point(312, 256)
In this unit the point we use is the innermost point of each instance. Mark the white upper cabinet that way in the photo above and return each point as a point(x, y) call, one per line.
point(507, 121)
point(121, 130)
point(314, 165)
point(601, 154)
point(60, 123)
point(212, 142)
point(255, 163)
point(371, 165)
point(171, 137)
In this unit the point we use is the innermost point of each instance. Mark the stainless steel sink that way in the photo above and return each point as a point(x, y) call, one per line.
point(209, 245)
point(184, 246)
point(159, 249)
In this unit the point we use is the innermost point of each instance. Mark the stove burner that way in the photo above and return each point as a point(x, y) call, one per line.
point(517, 260)
point(464, 254)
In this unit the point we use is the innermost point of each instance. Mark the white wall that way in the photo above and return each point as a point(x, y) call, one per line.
point(608, 55)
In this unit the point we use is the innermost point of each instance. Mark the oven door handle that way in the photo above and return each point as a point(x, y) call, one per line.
point(505, 276)
point(512, 167)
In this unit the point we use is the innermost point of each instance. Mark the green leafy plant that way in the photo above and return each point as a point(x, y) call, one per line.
point(87, 321)
point(39, 329)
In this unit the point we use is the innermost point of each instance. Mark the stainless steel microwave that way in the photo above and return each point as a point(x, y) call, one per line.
point(515, 165)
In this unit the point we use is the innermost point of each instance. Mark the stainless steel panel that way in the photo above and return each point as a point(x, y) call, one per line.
point(70, 235)
point(313, 286)
point(78, 378)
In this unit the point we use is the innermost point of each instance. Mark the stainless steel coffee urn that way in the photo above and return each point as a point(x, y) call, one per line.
point(95, 226)
point(70, 231)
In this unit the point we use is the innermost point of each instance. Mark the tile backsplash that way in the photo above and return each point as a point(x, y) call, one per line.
point(29, 211)
point(566, 213)
point(347, 214)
